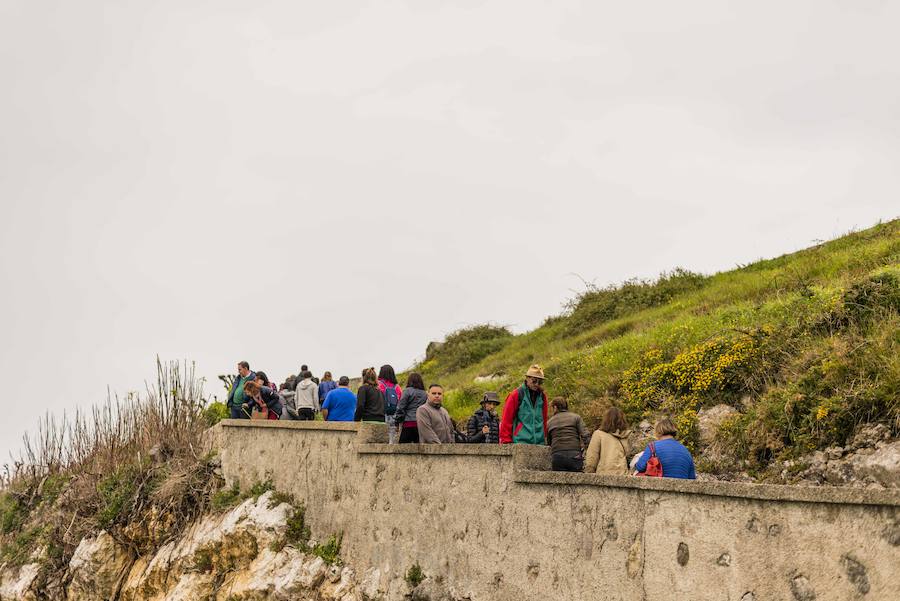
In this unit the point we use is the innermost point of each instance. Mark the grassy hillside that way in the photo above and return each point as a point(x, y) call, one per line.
point(806, 347)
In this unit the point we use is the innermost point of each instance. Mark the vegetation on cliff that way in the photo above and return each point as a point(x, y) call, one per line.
point(805, 347)
point(136, 468)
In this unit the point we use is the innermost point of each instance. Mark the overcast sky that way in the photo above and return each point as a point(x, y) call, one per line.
point(338, 183)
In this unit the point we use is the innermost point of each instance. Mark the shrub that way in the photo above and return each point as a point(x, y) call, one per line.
point(330, 551)
point(226, 498)
point(215, 412)
point(465, 347)
point(599, 305)
point(415, 575)
point(116, 495)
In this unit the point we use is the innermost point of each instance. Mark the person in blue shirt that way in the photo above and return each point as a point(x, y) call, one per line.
point(674, 457)
point(340, 403)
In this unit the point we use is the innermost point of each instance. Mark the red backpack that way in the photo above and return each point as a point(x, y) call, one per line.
point(654, 467)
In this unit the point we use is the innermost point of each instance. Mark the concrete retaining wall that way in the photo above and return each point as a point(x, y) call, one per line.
point(493, 524)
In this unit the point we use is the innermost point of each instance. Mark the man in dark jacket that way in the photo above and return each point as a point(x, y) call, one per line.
point(236, 394)
point(484, 425)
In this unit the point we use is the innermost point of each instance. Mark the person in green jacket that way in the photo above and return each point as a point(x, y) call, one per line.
point(525, 411)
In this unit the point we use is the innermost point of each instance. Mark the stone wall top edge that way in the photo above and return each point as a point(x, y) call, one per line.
point(435, 449)
point(292, 425)
point(766, 492)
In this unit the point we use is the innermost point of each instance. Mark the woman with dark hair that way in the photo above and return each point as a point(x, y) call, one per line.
point(607, 452)
point(369, 400)
point(391, 391)
point(264, 380)
point(566, 436)
point(405, 418)
point(261, 398)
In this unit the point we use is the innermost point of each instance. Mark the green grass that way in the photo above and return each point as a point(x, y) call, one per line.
point(820, 323)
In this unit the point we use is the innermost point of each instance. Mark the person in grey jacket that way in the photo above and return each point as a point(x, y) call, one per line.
point(414, 396)
point(306, 397)
point(433, 421)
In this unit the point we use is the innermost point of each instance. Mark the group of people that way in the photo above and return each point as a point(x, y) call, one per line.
point(415, 414)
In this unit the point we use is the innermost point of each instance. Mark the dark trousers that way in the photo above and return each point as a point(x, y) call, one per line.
point(568, 461)
point(238, 412)
point(409, 434)
point(306, 413)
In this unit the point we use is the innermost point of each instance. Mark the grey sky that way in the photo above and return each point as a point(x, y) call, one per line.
point(339, 183)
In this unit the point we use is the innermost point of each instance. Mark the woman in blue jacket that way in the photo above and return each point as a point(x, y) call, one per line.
point(674, 457)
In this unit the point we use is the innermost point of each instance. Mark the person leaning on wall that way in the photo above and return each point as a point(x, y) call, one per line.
point(484, 425)
point(369, 400)
point(566, 434)
point(674, 457)
point(608, 450)
point(414, 396)
point(236, 394)
point(261, 398)
point(525, 411)
point(306, 397)
point(434, 423)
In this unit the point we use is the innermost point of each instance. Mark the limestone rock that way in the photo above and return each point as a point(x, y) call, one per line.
point(709, 420)
point(97, 568)
point(17, 583)
point(882, 466)
point(488, 378)
point(869, 435)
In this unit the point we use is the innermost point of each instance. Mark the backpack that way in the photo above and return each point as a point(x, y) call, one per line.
point(390, 398)
point(654, 467)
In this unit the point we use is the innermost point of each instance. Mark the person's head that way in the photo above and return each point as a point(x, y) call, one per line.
point(304, 368)
point(306, 375)
point(261, 376)
point(344, 381)
point(369, 376)
point(252, 387)
point(534, 378)
point(489, 401)
point(387, 374)
point(436, 394)
point(559, 404)
point(665, 427)
point(326, 377)
point(243, 369)
point(415, 381)
point(614, 421)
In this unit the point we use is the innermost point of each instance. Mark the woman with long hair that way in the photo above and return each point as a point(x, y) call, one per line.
point(369, 400)
point(414, 396)
point(608, 450)
point(391, 391)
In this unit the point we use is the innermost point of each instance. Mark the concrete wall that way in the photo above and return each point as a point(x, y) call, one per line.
point(494, 524)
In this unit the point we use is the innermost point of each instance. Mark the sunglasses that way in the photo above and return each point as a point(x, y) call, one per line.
point(538, 381)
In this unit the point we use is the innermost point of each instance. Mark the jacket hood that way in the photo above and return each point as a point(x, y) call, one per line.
point(620, 434)
point(306, 384)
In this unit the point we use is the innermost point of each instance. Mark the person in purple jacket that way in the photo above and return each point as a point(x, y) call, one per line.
point(674, 457)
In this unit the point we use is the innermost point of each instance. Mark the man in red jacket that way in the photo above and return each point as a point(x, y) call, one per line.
point(525, 411)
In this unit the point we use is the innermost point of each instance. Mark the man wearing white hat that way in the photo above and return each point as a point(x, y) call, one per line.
point(525, 411)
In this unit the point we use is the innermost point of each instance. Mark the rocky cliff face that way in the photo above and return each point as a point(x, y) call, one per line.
point(235, 556)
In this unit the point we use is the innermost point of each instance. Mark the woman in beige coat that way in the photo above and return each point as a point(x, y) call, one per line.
point(608, 450)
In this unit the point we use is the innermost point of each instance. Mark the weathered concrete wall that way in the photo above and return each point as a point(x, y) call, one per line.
point(493, 524)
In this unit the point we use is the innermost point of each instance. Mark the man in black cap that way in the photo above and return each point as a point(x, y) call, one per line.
point(484, 425)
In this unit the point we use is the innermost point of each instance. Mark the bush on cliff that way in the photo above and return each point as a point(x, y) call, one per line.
point(134, 467)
